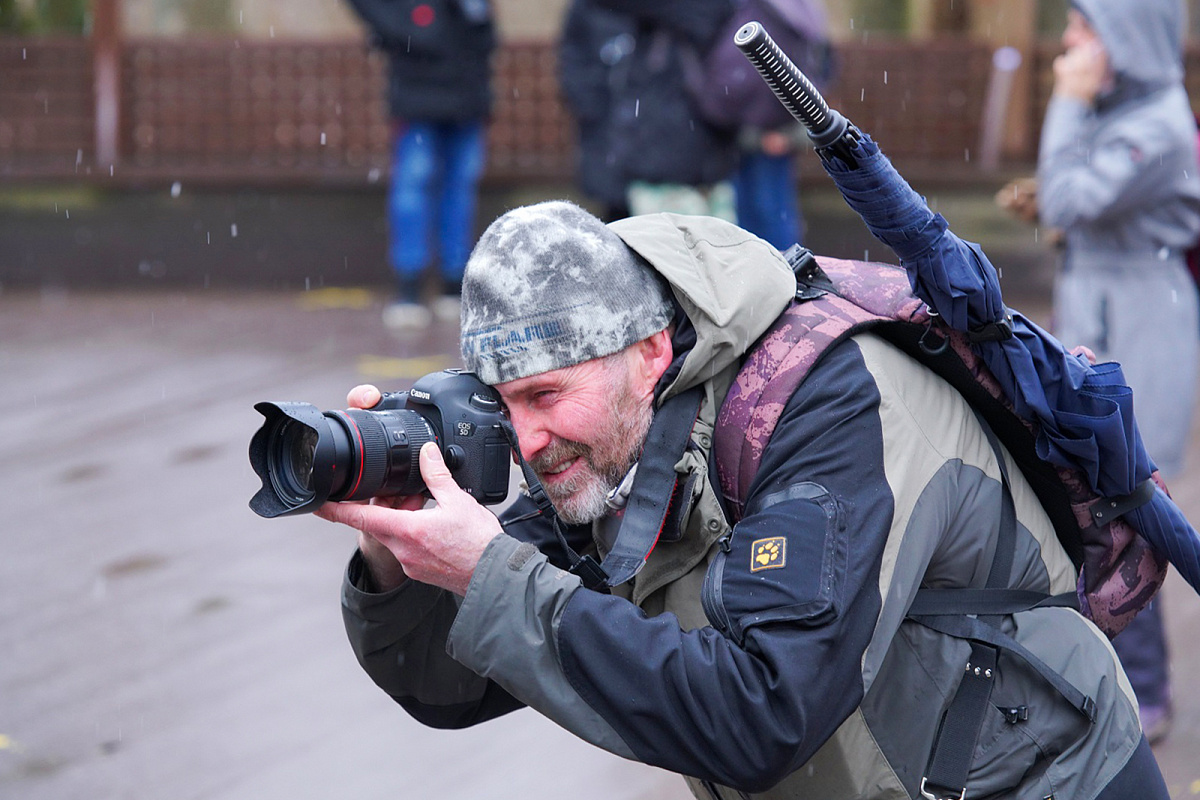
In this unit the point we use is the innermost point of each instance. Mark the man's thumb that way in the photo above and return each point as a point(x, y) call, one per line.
point(434, 469)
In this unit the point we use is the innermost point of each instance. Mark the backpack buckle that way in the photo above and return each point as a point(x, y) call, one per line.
point(930, 796)
point(811, 280)
point(997, 331)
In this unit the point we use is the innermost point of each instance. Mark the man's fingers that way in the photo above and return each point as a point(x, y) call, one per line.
point(366, 518)
point(363, 396)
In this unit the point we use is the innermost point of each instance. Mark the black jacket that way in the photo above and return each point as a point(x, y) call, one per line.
point(654, 132)
point(439, 54)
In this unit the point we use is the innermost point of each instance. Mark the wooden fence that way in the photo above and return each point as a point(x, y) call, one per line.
point(280, 112)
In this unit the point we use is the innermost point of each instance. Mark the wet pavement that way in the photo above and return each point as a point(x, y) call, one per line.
point(158, 640)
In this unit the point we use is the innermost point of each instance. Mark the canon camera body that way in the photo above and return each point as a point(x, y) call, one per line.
point(305, 456)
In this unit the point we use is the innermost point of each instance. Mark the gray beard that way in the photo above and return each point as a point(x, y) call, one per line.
point(585, 499)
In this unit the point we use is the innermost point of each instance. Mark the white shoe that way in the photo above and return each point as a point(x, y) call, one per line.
point(447, 308)
point(406, 316)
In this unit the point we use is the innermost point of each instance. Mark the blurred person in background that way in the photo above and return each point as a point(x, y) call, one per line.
point(731, 94)
point(1118, 175)
point(439, 97)
point(659, 148)
point(593, 52)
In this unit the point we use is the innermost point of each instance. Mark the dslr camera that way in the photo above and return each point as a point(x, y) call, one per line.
point(305, 456)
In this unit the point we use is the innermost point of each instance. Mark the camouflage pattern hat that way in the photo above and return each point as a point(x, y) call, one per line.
point(550, 286)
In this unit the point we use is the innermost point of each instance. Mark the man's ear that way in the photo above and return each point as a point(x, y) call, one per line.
point(652, 356)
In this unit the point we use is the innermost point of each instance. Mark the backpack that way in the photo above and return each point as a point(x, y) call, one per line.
point(1119, 572)
point(725, 87)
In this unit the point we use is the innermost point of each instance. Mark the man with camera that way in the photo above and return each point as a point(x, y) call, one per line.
point(760, 649)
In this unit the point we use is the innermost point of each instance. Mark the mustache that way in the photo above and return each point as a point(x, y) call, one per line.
point(556, 452)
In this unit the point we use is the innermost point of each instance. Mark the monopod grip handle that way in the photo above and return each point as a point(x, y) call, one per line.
point(826, 127)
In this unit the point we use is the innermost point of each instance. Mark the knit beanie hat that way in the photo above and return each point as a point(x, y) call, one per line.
point(550, 286)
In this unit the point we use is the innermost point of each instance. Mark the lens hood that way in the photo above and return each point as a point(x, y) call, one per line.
point(293, 453)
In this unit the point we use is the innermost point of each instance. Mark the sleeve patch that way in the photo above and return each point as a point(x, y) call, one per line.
point(768, 554)
point(785, 563)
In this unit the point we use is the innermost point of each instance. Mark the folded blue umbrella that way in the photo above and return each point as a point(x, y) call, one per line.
point(1084, 411)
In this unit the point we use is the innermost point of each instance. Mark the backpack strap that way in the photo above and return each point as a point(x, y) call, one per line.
point(954, 746)
point(866, 295)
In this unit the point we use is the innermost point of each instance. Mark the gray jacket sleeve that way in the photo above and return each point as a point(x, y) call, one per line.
point(450, 662)
point(1093, 168)
point(399, 638)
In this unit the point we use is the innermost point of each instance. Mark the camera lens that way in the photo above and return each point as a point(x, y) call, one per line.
point(291, 457)
point(385, 448)
point(305, 456)
point(302, 447)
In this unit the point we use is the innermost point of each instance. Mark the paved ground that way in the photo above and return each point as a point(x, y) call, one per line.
point(158, 640)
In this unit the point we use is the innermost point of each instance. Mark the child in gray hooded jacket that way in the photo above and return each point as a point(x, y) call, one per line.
point(1118, 174)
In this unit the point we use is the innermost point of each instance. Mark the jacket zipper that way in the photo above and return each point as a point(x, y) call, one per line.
point(711, 594)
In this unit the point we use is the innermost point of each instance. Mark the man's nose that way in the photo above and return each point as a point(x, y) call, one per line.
point(532, 436)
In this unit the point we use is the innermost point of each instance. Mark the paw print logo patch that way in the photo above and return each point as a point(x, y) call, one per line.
point(768, 553)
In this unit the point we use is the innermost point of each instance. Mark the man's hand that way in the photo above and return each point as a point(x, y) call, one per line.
point(439, 545)
point(1081, 72)
point(384, 522)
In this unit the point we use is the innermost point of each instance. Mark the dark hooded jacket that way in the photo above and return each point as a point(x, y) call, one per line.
point(656, 132)
point(439, 56)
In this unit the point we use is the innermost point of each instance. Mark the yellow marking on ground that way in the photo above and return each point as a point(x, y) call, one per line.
point(1195, 787)
point(8, 743)
point(381, 367)
point(336, 297)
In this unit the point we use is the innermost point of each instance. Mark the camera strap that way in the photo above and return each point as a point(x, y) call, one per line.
point(647, 509)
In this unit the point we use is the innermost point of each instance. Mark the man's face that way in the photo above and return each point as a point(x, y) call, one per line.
point(581, 428)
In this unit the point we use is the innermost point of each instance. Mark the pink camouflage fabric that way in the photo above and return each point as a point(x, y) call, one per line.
point(1120, 571)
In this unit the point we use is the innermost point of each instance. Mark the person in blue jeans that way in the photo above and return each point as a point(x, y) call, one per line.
point(431, 208)
point(439, 97)
point(768, 139)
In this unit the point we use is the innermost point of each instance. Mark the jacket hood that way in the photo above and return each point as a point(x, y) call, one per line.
point(1144, 38)
point(730, 283)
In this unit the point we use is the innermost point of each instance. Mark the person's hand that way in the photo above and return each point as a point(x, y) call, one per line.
point(439, 545)
point(1019, 198)
point(775, 143)
point(1081, 72)
point(1085, 351)
point(363, 396)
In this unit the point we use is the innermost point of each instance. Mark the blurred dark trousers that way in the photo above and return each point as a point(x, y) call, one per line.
point(1142, 648)
point(1140, 779)
point(766, 199)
